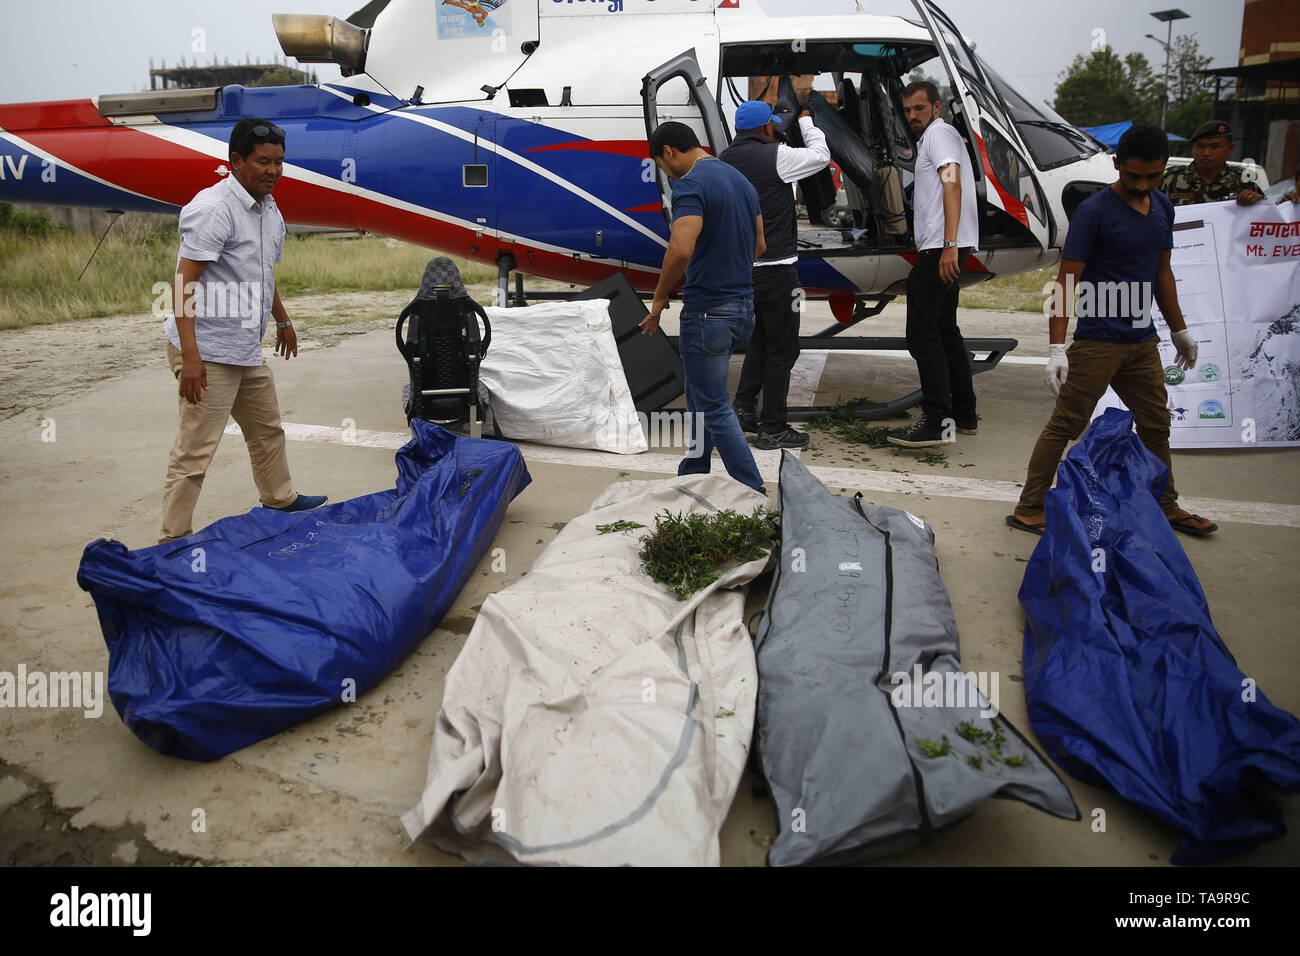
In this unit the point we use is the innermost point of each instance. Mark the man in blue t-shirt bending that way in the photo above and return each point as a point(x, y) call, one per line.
point(717, 233)
point(1117, 256)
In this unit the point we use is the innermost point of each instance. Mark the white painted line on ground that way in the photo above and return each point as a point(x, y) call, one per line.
point(855, 479)
point(806, 376)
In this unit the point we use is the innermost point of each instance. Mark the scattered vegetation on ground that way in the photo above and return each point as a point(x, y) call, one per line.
point(620, 525)
point(856, 431)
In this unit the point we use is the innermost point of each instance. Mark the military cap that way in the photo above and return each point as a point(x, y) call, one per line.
point(1212, 128)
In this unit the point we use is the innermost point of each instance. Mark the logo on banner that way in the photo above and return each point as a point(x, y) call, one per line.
point(1209, 372)
point(1174, 375)
point(1211, 408)
point(1179, 414)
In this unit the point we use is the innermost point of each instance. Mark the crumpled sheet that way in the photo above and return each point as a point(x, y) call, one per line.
point(553, 375)
point(592, 718)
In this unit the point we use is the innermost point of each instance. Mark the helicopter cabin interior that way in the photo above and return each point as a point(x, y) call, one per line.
point(856, 98)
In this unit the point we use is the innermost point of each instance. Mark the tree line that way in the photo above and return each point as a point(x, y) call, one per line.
point(1104, 87)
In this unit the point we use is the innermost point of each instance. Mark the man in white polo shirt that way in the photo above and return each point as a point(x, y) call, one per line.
point(232, 235)
point(946, 229)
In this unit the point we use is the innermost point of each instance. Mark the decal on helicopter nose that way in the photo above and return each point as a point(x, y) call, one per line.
point(475, 18)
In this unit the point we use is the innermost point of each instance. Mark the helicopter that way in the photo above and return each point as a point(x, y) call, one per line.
point(515, 132)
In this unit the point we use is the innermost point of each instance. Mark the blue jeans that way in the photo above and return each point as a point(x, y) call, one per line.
point(706, 342)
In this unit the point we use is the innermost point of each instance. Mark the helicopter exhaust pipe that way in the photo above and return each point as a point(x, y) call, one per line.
point(318, 38)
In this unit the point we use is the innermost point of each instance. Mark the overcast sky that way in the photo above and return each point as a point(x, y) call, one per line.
point(63, 49)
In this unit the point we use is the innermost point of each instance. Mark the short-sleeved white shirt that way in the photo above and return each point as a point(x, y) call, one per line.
point(942, 144)
point(241, 240)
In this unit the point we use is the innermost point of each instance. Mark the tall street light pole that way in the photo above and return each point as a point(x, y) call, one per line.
point(1167, 17)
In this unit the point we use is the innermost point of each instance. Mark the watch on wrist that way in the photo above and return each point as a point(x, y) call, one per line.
point(949, 245)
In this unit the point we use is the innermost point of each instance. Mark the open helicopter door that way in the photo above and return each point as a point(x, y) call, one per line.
point(686, 67)
point(1004, 177)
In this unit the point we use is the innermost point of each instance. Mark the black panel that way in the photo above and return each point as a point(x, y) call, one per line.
point(653, 369)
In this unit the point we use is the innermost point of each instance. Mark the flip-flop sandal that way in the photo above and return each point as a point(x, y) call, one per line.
point(1038, 528)
point(1181, 524)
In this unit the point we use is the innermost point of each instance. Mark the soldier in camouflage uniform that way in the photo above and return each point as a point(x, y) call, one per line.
point(1209, 178)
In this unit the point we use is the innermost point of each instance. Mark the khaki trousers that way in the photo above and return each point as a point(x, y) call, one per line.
point(1133, 369)
point(247, 394)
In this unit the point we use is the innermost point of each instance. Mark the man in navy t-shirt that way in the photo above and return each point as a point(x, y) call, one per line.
point(716, 235)
point(1116, 255)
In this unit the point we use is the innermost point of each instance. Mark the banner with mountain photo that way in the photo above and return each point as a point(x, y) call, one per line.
point(1239, 288)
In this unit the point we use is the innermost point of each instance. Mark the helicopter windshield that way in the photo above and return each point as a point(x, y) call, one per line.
point(1052, 141)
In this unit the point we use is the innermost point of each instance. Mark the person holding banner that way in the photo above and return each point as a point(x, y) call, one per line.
point(1209, 178)
point(1119, 238)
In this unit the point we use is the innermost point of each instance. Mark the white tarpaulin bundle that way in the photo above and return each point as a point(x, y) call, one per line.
point(1239, 289)
point(552, 375)
point(592, 718)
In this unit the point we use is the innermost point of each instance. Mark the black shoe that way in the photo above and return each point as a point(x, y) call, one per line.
point(968, 426)
point(922, 435)
point(748, 421)
point(786, 438)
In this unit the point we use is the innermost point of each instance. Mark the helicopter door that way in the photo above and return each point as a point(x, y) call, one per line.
point(686, 67)
point(1004, 176)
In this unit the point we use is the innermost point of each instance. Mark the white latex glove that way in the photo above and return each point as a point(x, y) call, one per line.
point(1187, 349)
point(1058, 368)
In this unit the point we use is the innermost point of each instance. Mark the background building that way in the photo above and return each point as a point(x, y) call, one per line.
point(1264, 87)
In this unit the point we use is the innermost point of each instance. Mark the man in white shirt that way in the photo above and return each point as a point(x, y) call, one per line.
point(946, 230)
point(232, 235)
point(772, 168)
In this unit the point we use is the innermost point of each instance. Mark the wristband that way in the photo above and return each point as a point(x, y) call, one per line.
point(283, 325)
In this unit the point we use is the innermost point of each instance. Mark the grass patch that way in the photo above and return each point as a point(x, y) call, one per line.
point(687, 552)
point(933, 458)
point(316, 265)
point(38, 275)
point(39, 284)
point(1015, 293)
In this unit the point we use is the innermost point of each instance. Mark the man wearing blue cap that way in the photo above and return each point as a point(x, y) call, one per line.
point(772, 168)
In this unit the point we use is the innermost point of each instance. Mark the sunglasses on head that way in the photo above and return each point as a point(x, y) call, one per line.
point(261, 130)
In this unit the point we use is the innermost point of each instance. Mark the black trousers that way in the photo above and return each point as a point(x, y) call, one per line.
point(936, 343)
point(774, 346)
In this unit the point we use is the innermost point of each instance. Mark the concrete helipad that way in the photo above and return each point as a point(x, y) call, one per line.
point(81, 789)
